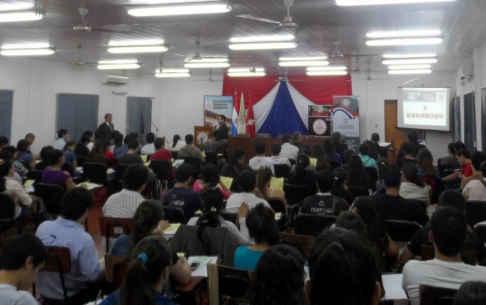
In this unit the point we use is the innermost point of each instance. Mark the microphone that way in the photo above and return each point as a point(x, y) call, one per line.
point(156, 128)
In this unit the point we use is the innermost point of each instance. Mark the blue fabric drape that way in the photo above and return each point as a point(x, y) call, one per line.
point(283, 117)
point(139, 116)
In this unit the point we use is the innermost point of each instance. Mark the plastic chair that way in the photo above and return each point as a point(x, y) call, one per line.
point(40, 166)
point(281, 170)
point(193, 161)
point(308, 224)
point(58, 260)
point(163, 171)
point(357, 191)
point(296, 193)
point(212, 158)
point(51, 195)
point(292, 161)
point(436, 296)
point(35, 175)
point(116, 269)
point(303, 243)
point(175, 154)
point(119, 173)
point(233, 284)
point(372, 173)
point(114, 227)
point(401, 230)
point(95, 172)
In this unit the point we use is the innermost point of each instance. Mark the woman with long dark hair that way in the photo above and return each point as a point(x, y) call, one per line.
point(340, 188)
point(356, 173)
point(425, 164)
point(96, 155)
point(412, 187)
point(177, 143)
point(302, 174)
point(319, 154)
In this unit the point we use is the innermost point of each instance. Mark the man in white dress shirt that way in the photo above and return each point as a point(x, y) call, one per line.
point(260, 159)
point(247, 181)
point(276, 158)
point(62, 139)
point(288, 150)
point(149, 148)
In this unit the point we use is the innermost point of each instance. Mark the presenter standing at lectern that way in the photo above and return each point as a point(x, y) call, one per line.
point(106, 129)
point(221, 130)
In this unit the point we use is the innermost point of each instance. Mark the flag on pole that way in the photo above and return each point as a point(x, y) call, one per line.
point(234, 119)
point(250, 120)
point(242, 116)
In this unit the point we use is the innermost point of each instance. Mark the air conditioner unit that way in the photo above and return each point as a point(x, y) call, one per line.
point(466, 71)
point(116, 80)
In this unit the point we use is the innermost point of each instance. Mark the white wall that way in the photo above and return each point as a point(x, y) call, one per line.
point(372, 95)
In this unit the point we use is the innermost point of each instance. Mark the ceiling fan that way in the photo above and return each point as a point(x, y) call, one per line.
point(78, 61)
point(210, 78)
point(198, 56)
point(336, 53)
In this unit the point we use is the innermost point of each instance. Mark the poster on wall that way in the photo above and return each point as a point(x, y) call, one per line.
point(346, 119)
point(215, 105)
point(483, 117)
point(320, 120)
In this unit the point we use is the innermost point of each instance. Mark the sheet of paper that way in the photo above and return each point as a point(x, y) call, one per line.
point(393, 287)
point(172, 229)
point(79, 169)
point(144, 158)
point(110, 171)
point(277, 183)
point(28, 184)
point(202, 270)
point(90, 186)
point(313, 161)
point(278, 216)
point(177, 162)
point(203, 154)
point(147, 164)
point(227, 181)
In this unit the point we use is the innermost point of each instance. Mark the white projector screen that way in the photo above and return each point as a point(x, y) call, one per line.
point(424, 108)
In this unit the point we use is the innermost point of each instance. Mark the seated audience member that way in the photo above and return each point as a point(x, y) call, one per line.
point(342, 270)
point(213, 205)
point(149, 148)
point(262, 229)
point(9, 153)
point(181, 196)
point(69, 155)
point(413, 140)
point(296, 140)
point(44, 158)
point(30, 137)
point(82, 147)
point(109, 155)
point(160, 152)
point(96, 155)
point(319, 154)
point(412, 186)
point(264, 177)
point(3, 142)
point(471, 293)
point(372, 152)
point(451, 160)
point(477, 158)
point(279, 278)
point(339, 145)
point(124, 203)
point(21, 259)
point(407, 158)
point(375, 140)
point(9, 186)
point(276, 158)
point(288, 151)
point(260, 160)
point(453, 199)
point(91, 137)
point(375, 228)
point(323, 203)
point(475, 190)
point(177, 144)
point(464, 159)
point(134, 136)
point(303, 175)
point(448, 234)
point(87, 277)
point(53, 174)
point(392, 206)
point(247, 180)
point(149, 221)
point(352, 222)
point(356, 173)
point(117, 141)
point(340, 188)
point(146, 275)
point(131, 157)
point(210, 179)
point(365, 158)
point(62, 138)
point(346, 154)
point(120, 151)
point(189, 150)
point(425, 164)
point(331, 154)
point(24, 155)
point(235, 167)
point(213, 146)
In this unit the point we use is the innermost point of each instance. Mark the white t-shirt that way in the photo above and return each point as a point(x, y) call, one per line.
point(10, 295)
point(257, 162)
point(437, 273)
point(235, 200)
point(179, 145)
point(280, 160)
point(59, 144)
point(475, 190)
point(289, 151)
point(148, 149)
point(410, 190)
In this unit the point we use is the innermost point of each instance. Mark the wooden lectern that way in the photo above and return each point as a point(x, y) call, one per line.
point(201, 134)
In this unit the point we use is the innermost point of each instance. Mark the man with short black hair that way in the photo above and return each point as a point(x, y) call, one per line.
point(413, 140)
point(106, 129)
point(181, 196)
point(190, 150)
point(276, 158)
point(3, 142)
point(375, 139)
point(323, 203)
point(160, 152)
point(475, 185)
point(247, 181)
point(87, 275)
point(62, 139)
point(21, 259)
point(260, 160)
point(120, 151)
point(448, 234)
point(149, 148)
point(394, 207)
point(221, 130)
point(82, 147)
point(296, 140)
point(131, 157)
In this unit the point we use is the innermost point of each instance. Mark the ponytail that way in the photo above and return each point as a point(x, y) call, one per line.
point(213, 204)
point(302, 162)
point(175, 139)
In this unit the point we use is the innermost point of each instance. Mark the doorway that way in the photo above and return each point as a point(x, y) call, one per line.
point(139, 116)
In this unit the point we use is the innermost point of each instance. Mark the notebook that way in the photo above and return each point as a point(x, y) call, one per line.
point(227, 181)
point(277, 183)
point(313, 161)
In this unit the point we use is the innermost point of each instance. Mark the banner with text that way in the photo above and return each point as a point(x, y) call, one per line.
point(346, 119)
point(215, 105)
point(320, 120)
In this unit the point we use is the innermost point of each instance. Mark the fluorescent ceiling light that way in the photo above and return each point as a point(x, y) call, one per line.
point(303, 58)
point(118, 61)
point(391, 34)
point(143, 42)
point(180, 9)
point(336, 68)
point(118, 76)
point(303, 63)
point(383, 2)
point(242, 70)
point(207, 65)
point(247, 74)
point(409, 61)
point(172, 75)
point(404, 42)
point(36, 45)
point(409, 67)
point(28, 52)
point(326, 73)
point(425, 55)
point(16, 16)
point(263, 38)
point(170, 70)
point(118, 66)
point(405, 72)
point(263, 46)
point(138, 49)
point(208, 59)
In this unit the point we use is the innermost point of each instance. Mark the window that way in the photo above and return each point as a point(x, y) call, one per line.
point(77, 113)
point(139, 116)
point(6, 105)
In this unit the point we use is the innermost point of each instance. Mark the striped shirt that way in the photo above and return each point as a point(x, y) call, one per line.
point(122, 204)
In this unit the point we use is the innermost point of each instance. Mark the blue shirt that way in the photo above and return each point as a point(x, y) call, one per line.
point(368, 162)
point(114, 299)
point(188, 200)
point(25, 156)
point(69, 157)
point(247, 259)
point(121, 150)
point(85, 267)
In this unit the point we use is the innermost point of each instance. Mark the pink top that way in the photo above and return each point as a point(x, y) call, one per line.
point(197, 188)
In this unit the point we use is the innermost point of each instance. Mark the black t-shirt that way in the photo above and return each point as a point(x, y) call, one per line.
point(343, 194)
point(189, 201)
point(81, 150)
point(399, 208)
point(233, 171)
point(323, 205)
point(421, 237)
point(309, 179)
point(129, 159)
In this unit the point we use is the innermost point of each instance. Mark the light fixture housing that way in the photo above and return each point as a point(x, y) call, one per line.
point(404, 56)
point(142, 42)
point(287, 37)
point(404, 41)
point(416, 61)
point(409, 67)
point(326, 73)
point(303, 63)
point(138, 49)
point(172, 75)
point(263, 46)
point(408, 72)
point(398, 34)
point(208, 59)
point(244, 70)
point(175, 9)
point(335, 68)
point(247, 74)
point(21, 15)
point(118, 66)
point(28, 52)
point(171, 70)
point(384, 2)
point(117, 61)
point(34, 45)
point(303, 58)
point(207, 65)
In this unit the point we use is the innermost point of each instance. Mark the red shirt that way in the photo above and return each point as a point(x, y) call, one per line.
point(162, 155)
point(466, 170)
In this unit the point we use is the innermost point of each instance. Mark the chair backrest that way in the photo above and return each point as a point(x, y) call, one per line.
point(401, 230)
point(277, 205)
point(475, 212)
point(172, 213)
point(175, 154)
point(372, 173)
point(427, 252)
point(303, 243)
point(95, 172)
point(212, 158)
point(357, 191)
point(292, 161)
point(162, 169)
point(296, 193)
point(80, 160)
point(7, 207)
point(58, 260)
point(116, 267)
point(334, 165)
point(309, 224)
point(114, 227)
point(231, 217)
point(436, 296)
point(40, 166)
point(193, 161)
point(35, 175)
point(281, 170)
point(51, 195)
point(233, 283)
point(120, 171)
